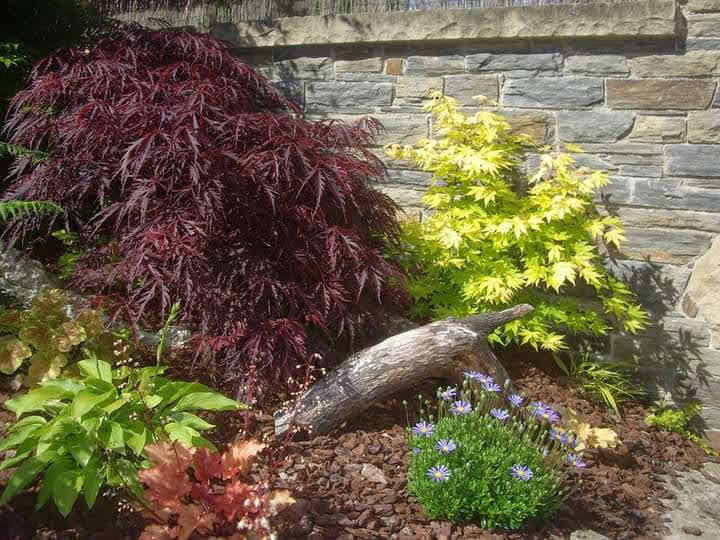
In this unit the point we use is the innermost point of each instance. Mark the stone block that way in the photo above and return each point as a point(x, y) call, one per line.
point(549, 92)
point(691, 64)
point(533, 63)
point(671, 246)
point(403, 196)
point(702, 44)
point(294, 90)
point(317, 68)
point(465, 87)
point(661, 94)
point(597, 126)
point(704, 127)
point(658, 129)
point(409, 90)
point(339, 96)
point(704, 291)
point(692, 160)
point(362, 65)
point(703, 6)
point(643, 171)
point(703, 25)
point(400, 128)
point(540, 126)
point(597, 64)
point(409, 178)
point(351, 76)
point(435, 65)
point(658, 286)
point(394, 66)
point(624, 148)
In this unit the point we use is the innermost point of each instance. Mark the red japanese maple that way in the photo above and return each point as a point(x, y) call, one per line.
point(189, 177)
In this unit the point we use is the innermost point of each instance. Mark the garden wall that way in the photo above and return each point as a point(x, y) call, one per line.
point(635, 84)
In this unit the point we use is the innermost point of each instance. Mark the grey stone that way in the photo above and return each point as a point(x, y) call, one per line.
point(702, 6)
point(305, 68)
point(672, 246)
point(691, 64)
point(23, 278)
point(641, 170)
point(539, 125)
point(703, 25)
point(669, 193)
point(621, 21)
point(596, 126)
point(566, 92)
point(592, 161)
point(294, 90)
point(659, 129)
point(351, 76)
point(704, 289)
point(636, 159)
point(372, 473)
point(465, 87)
point(409, 90)
point(434, 65)
point(704, 127)
point(660, 94)
point(331, 96)
point(668, 218)
point(702, 44)
point(405, 197)
point(695, 503)
point(587, 534)
point(400, 128)
point(514, 62)
point(409, 178)
point(658, 286)
point(362, 65)
point(692, 160)
point(620, 148)
point(597, 64)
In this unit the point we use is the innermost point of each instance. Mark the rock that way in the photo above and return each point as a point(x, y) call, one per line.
point(372, 473)
point(329, 96)
point(700, 160)
point(659, 286)
point(416, 179)
point(415, 89)
point(534, 63)
point(549, 92)
point(704, 291)
point(597, 64)
point(690, 64)
point(664, 245)
point(680, 94)
point(394, 66)
point(704, 26)
point(465, 87)
point(540, 126)
point(594, 126)
point(435, 65)
point(304, 68)
point(587, 534)
point(292, 90)
point(659, 129)
point(696, 506)
point(702, 44)
point(704, 127)
point(23, 278)
point(701, 6)
point(400, 128)
point(362, 65)
point(404, 197)
point(668, 218)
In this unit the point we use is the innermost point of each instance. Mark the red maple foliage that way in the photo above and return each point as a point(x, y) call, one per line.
point(197, 491)
point(189, 177)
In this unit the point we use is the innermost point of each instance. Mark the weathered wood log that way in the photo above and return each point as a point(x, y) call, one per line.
point(439, 350)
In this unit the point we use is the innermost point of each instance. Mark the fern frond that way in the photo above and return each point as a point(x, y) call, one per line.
point(16, 209)
point(15, 150)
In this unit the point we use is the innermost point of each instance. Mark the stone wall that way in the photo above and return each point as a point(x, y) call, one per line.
point(634, 84)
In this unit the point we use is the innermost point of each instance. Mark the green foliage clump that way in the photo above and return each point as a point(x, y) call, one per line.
point(679, 421)
point(483, 450)
point(91, 432)
point(14, 209)
point(49, 339)
point(498, 236)
point(610, 383)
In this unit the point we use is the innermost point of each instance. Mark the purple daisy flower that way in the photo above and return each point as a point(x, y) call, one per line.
point(461, 407)
point(542, 411)
point(424, 429)
point(439, 474)
point(474, 375)
point(521, 472)
point(445, 446)
point(491, 386)
point(571, 441)
point(574, 459)
point(557, 436)
point(500, 414)
point(516, 400)
point(448, 394)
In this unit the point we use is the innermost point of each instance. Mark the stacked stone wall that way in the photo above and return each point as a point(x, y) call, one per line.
point(637, 89)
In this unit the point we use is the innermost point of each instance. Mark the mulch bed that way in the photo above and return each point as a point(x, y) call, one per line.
point(351, 484)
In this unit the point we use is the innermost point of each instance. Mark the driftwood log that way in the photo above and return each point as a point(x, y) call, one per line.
point(440, 350)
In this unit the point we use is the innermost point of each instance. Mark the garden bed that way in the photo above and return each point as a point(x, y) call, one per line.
point(352, 483)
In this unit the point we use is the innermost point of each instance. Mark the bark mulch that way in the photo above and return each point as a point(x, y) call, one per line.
point(351, 484)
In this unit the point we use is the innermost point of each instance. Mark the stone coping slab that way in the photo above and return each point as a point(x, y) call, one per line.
point(647, 19)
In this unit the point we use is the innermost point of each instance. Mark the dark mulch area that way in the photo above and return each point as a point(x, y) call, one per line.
point(351, 484)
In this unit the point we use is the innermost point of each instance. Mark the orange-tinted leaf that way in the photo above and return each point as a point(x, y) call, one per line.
point(207, 465)
point(239, 456)
point(165, 453)
point(233, 500)
point(168, 480)
point(192, 517)
point(68, 335)
point(159, 532)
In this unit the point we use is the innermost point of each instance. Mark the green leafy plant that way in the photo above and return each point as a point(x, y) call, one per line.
point(610, 383)
point(208, 494)
point(16, 209)
point(12, 55)
point(491, 458)
point(678, 420)
point(499, 237)
point(91, 432)
point(49, 339)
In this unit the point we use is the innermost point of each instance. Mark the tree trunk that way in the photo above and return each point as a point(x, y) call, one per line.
point(442, 350)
